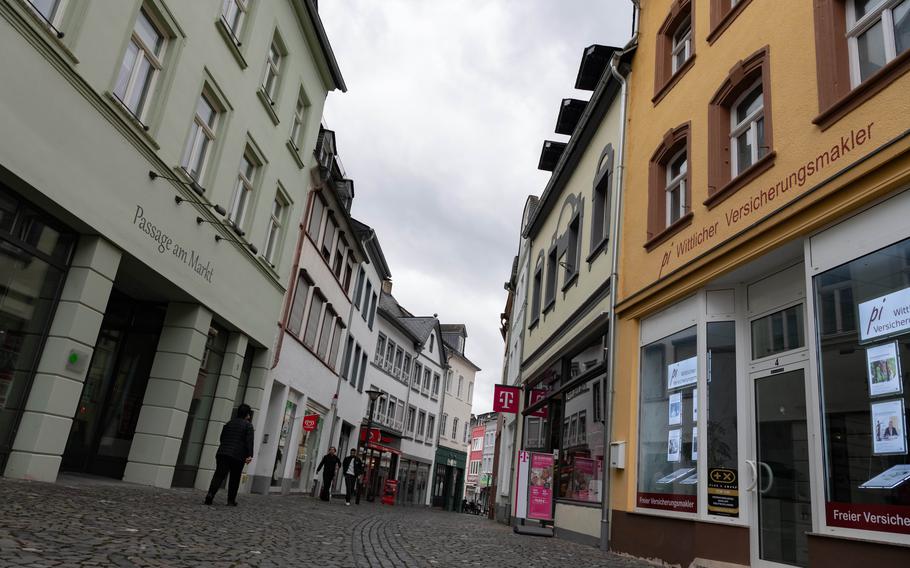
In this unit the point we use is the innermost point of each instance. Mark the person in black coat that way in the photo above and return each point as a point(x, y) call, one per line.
point(235, 450)
point(329, 464)
point(352, 467)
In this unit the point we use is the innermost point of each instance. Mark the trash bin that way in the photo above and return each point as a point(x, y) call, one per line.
point(389, 491)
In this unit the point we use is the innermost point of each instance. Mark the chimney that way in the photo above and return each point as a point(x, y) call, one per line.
point(387, 286)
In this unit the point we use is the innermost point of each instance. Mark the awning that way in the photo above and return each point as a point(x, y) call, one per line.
point(381, 448)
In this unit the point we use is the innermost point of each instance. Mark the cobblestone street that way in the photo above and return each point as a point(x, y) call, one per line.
point(80, 522)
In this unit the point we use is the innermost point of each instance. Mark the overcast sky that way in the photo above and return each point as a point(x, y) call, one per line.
point(447, 107)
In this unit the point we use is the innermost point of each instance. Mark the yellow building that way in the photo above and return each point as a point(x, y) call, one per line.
point(763, 336)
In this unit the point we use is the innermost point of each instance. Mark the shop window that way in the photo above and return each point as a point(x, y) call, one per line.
point(723, 12)
point(865, 389)
point(591, 357)
point(740, 146)
point(580, 466)
point(668, 454)
point(861, 48)
point(675, 48)
point(669, 187)
point(721, 422)
point(778, 332)
point(835, 302)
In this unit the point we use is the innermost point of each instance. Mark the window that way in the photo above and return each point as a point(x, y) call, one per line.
point(406, 368)
point(551, 279)
point(412, 413)
point(365, 312)
point(356, 364)
point(372, 311)
point(317, 210)
point(338, 260)
point(272, 69)
point(454, 428)
point(675, 199)
point(392, 407)
point(669, 187)
point(389, 355)
point(449, 382)
point(443, 422)
point(276, 223)
point(864, 379)
point(298, 122)
point(720, 411)
point(348, 272)
point(312, 324)
point(328, 237)
point(346, 362)
point(295, 320)
point(358, 287)
point(835, 305)
point(747, 131)
point(465, 435)
point(739, 128)
point(436, 379)
point(674, 48)
point(431, 426)
point(723, 12)
point(234, 12)
point(432, 342)
point(336, 342)
point(861, 49)
point(326, 333)
point(470, 391)
point(460, 385)
point(421, 423)
point(140, 66)
point(600, 214)
point(778, 332)
point(50, 10)
point(380, 348)
point(538, 291)
point(668, 466)
point(201, 139)
point(363, 370)
point(418, 373)
point(573, 246)
point(243, 190)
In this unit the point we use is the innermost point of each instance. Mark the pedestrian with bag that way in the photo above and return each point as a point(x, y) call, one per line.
point(352, 466)
point(329, 465)
point(234, 451)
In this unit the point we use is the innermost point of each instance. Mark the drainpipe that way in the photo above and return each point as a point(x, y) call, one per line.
point(611, 355)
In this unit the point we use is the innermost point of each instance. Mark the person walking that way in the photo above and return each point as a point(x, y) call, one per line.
point(352, 466)
point(235, 450)
point(329, 465)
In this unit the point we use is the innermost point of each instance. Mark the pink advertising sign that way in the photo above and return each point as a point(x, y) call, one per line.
point(540, 487)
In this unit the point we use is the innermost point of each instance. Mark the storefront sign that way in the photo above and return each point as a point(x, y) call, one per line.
point(885, 316)
point(682, 373)
point(505, 399)
point(723, 492)
point(536, 396)
point(375, 435)
point(166, 244)
point(884, 518)
point(668, 502)
point(540, 487)
point(310, 421)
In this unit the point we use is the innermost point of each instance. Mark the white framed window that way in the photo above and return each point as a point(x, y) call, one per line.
point(298, 122)
point(421, 423)
point(681, 49)
point(460, 386)
point(276, 226)
point(747, 130)
point(431, 426)
point(50, 10)
point(201, 139)
point(454, 428)
point(234, 13)
point(470, 391)
point(141, 65)
point(243, 190)
point(442, 424)
point(272, 70)
point(676, 188)
point(877, 32)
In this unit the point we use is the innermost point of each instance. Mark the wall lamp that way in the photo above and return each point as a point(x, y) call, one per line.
point(218, 209)
point(197, 189)
point(236, 229)
point(239, 231)
point(251, 246)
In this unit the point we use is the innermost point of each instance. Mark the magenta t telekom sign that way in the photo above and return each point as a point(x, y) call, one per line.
point(505, 399)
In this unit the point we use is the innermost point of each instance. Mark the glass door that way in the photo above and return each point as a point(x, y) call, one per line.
point(780, 488)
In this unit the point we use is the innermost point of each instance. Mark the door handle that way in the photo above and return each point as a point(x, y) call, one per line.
point(752, 485)
point(766, 469)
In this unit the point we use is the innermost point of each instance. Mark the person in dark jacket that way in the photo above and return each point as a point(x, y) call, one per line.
point(329, 464)
point(352, 467)
point(235, 450)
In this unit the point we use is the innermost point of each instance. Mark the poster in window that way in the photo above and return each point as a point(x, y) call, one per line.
point(673, 445)
point(883, 369)
point(540, 490)
point(694, 405)
point(695, 443)
point(675, 412)
point(582, 485)
point(889, 434)
point(682, 373)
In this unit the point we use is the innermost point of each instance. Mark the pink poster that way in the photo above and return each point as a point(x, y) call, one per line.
point(540, 487)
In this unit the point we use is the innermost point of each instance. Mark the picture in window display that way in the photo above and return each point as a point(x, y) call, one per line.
point(860, 304)
point(581, 457)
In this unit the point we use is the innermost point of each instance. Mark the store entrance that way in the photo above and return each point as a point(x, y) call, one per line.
point(780, 487)
point(105, 420)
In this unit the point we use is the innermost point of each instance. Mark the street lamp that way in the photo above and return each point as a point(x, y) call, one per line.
point(374, 395)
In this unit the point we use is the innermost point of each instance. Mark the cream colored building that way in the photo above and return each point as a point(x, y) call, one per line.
point(154, 163)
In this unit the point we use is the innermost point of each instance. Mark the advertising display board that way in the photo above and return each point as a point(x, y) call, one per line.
point(540, 487)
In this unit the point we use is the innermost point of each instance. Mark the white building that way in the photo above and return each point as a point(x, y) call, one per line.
point(154, 161)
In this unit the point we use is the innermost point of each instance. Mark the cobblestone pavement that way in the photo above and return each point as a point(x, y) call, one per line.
point(80, 522)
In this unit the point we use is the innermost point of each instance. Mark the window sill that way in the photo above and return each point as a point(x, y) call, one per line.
point(549, 306)
point(570, 281)
point(737, 183)
point(46, 30)
point(295, 153)
point(597, 249)
point(724, 22)
point(233, 43)
point(864, 91)
point(660, 93)
point(137, 126)
point(269, 105)
point(534, 322)
point(671, 230)
point(269, 267)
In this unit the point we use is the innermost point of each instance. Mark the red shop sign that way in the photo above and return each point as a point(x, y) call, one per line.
point(310, 421)
point(375, 435)
point(505, 399)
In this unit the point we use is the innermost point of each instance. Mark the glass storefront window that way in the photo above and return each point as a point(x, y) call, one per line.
point(722, 446)
point(581, 454)
point(778, 332)
point(864, 365)
point(668, 458)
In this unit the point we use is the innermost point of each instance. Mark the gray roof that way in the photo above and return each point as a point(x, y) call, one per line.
point(419, 327)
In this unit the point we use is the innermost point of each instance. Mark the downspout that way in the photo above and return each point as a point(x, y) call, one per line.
point(611, 355)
